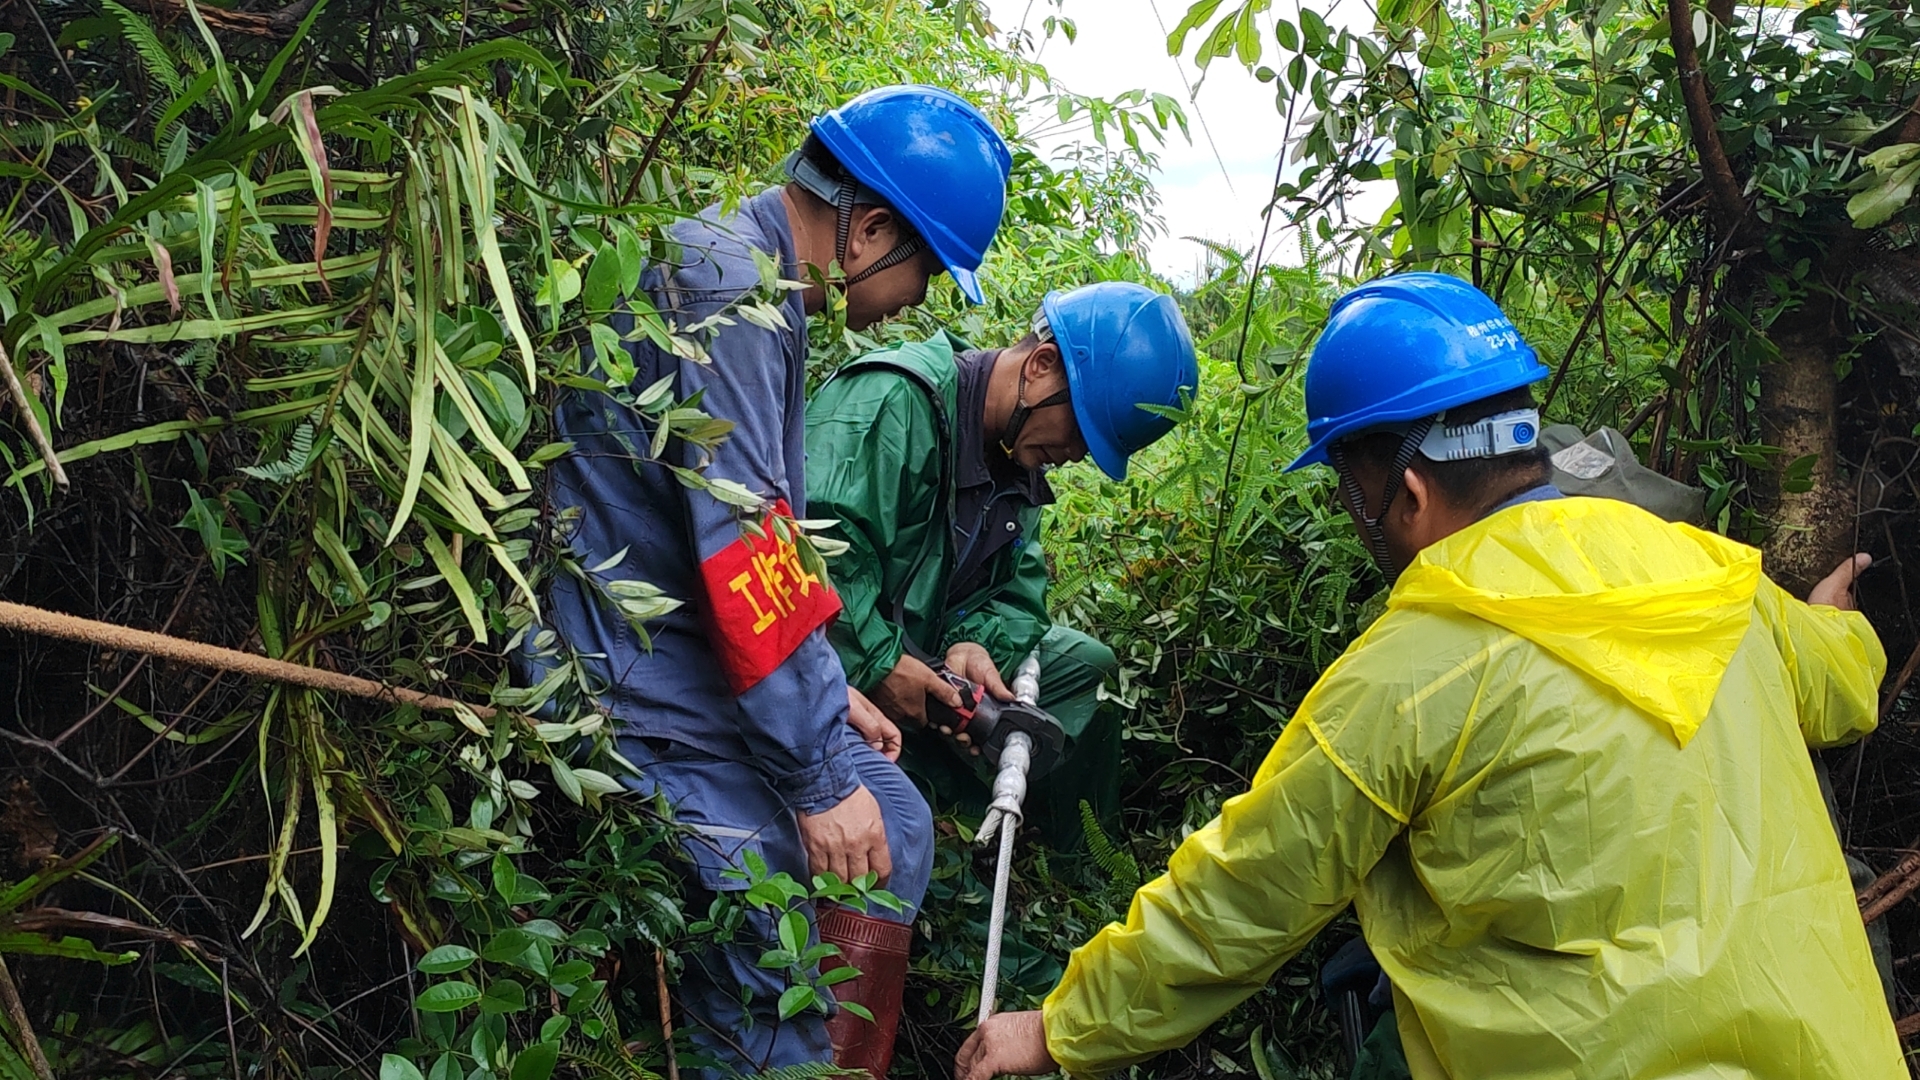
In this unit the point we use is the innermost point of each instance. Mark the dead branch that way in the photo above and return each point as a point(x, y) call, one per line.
point(278, 24)
point(30, 620)
point(1888, 880)
point(17, 1016)
point(1891, 896)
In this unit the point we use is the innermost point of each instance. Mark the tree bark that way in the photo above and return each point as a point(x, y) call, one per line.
point(1724, 196)
point(1799, 412)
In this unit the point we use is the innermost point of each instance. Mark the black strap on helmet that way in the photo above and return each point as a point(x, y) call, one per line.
point(1021, 411)
point(1350, 486)
point(843, 193)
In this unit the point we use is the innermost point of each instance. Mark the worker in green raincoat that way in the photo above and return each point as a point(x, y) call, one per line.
point(1563, 781)
point(932, 457)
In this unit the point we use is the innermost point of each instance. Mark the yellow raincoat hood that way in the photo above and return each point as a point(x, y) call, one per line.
point(1656, 620)
point(1563, 783)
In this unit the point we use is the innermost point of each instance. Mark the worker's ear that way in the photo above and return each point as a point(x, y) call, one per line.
point(1415, 505)
point(873, 231)
point(1042, 361)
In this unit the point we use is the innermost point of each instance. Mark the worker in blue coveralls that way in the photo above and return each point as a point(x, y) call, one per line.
point(739, 712)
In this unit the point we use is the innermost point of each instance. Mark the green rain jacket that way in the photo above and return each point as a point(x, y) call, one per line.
point(1564, 783)
point(881, 461)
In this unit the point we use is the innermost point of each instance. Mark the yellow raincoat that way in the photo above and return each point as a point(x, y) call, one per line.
point(1564, 782)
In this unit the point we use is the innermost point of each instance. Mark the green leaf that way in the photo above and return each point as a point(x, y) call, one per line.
point(507, 944)
point(560, 285)
point(602, 289)
point(447, 997)
point(793, 931)
point(568, 783)
point(504, 996)
point(795, 999)
point(836, 976)
point(456, 580)
point(447, 959)
point(1890, 157)
point(536, 1062)
point(1885, 199)
point(67, 948)
point(858, 1010)
point(395, 1067)
point(1196, 16)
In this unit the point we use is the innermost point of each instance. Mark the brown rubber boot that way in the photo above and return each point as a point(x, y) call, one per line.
point(878, 948)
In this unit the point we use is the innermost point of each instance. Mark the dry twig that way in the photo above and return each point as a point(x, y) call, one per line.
point(32, 620)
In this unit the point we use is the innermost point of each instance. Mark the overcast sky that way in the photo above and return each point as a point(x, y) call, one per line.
point(1212, 187)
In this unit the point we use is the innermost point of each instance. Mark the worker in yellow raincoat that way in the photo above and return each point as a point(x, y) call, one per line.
point(1563, 780)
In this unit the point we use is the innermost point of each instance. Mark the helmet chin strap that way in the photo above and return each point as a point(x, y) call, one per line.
point(1022, 411)
point(1357, 498)
point(843, 228)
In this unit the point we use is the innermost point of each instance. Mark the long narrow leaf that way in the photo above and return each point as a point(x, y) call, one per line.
point(420, 396)
point(197, 329)
point(456, 389)
point(477, 171)
point(456, 580)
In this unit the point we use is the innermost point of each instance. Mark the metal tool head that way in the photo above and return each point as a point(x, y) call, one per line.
point(988, 721)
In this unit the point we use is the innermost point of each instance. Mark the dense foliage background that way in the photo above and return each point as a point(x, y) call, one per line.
point(289, 292)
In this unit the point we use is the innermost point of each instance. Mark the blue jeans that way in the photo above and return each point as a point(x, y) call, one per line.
point(729, 809)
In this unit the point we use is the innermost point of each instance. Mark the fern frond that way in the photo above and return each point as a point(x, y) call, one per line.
point(160, 65)
point(298, 456)
point(1116, 863)
point(123, 146)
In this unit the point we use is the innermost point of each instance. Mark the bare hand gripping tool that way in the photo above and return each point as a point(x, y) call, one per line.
point(988, 722)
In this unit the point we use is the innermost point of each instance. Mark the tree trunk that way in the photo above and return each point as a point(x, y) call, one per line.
point(1799, 412)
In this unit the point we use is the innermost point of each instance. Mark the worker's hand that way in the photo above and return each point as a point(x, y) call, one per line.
point(1008, 1044)
point(848, 840)
point(875, 729)
point(1836, 589)
point(971, 660)
point(903, 694)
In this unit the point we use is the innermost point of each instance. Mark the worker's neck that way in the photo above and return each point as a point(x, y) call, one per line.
point(1003, 393)
point(812, 221)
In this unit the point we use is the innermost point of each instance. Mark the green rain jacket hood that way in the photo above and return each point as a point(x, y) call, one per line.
point(1564, 783)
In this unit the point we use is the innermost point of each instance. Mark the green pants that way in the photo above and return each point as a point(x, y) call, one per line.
point(1380, 1055)
point(1072, 667)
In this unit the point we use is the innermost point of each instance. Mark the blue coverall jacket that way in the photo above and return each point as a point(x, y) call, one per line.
point(738, 712)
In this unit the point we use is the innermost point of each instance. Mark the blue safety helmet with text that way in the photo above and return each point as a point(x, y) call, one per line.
point(933, 158)
point(1123, 346)
point(1403, 348)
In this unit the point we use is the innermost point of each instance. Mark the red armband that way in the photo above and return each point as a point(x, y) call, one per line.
point(761, 603)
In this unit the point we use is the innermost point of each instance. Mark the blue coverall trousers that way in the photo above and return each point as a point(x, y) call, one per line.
point(729, 809)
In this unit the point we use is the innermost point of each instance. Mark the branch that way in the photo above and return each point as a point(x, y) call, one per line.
point(19, 617)
point(279, 24)
point(673, 110)
point(1729, 205)
point(17, 1016)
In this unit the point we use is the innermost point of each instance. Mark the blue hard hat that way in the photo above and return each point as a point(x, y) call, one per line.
point(1405, 347)
point(1124, 346)
point(935, 159)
